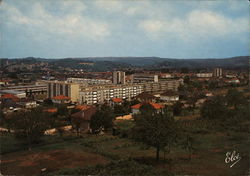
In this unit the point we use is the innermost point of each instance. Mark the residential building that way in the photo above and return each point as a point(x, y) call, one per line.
point(217, 72)
point(55, 88)
point(165, 75)
point(34, 89)
point(92, 94)
point(136, 108)
point(115, 101)
point(145, 97)
point(169, 96)
point(162, 86)
point(27, 103)
point(233, 81)
point(119, 77)
point(142, 78)
point(17, 93)
point(101, 94)
point(204, 75)
point(60, 99)
point(85, 81)
point(81, 119)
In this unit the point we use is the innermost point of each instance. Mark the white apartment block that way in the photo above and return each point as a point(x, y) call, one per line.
point(204, 75)
point(143, 78)
point(100, 94)
point(92, 94)
point(217, 72)
point(86, 81)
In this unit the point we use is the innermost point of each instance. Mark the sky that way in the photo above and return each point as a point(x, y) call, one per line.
point(97, 28)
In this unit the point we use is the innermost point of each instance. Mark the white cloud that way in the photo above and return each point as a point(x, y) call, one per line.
point(110, 6)
point(197, 25)
point(69, 25)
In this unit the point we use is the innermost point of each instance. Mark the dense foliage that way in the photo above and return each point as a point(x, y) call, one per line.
point(103, 118)
point(30, 125)
point(156, 129)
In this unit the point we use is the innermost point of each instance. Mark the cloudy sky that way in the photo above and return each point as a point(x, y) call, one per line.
point(89, 28)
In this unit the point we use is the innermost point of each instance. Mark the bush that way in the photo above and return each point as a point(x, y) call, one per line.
point(123, 128)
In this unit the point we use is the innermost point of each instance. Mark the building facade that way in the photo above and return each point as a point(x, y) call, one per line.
point(89, 81)
point(119, 77)
point(100, 94)
point(204, 75)
point(162, 86)
point(92, 94)
point(55, 88)
point(217, 72)
point(142, 78)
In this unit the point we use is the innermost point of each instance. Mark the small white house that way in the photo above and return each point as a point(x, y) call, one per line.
point(27, 103)
point(136, 108)
point(169, 96)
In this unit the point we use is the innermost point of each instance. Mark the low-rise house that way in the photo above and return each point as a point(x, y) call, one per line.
point(82, 107)
point(50, 110)
point(115, 101)
point(27, 103)
point(233, 81)
point(9, 100)
point(169, 96)
point(208, 94)
point(60, 99)
point(81, 119)
point(136, 108)
point(145, 97)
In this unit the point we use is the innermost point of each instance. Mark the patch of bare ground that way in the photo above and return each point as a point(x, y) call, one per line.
point(31, 163)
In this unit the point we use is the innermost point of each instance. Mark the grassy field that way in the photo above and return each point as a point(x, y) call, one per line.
point(56, 153)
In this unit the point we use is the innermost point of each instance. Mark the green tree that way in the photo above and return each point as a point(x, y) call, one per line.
point(235, 98)
point(214, 108)
point(177, 108)
point(186, 80)
point(103, 118)
point(119, 110)
point(156, 129)
point(48, 102)
point(30, 125)
point(62, 115)
point(192, 101)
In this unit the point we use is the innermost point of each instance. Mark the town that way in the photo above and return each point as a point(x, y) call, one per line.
point(40, 104)
point(124, 88)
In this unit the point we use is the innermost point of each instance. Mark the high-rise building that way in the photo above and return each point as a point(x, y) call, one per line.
point(55, 88)
point(217, 72)
point(118, 77)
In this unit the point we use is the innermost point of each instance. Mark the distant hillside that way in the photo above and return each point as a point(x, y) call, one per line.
point(241, 62)
point(111, 63)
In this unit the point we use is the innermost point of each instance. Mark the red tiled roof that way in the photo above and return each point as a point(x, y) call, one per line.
point(84, 114)
point(154, 105)
point(61, 97)
point(51, 110)
point(137, 106)
point(10, 96)
point(117, 100)
point(82, 107)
